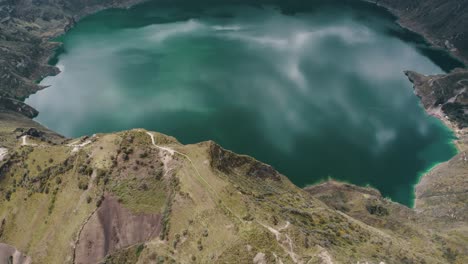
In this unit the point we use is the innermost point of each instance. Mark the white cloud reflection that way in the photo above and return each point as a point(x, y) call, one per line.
point(296, 76)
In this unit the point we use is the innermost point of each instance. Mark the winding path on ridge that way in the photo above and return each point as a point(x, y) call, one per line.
point(285, 243)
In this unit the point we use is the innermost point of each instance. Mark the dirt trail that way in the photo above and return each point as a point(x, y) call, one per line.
point(325, 256)
point(285, 242)
point(171, 151)
point(24, 141)
point(77, 146)
point(210, 187)
point(454, 98)
point(3, 153)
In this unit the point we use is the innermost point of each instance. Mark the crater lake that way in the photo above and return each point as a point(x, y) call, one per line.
point(315, 89)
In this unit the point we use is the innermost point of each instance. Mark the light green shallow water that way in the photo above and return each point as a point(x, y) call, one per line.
point(316, 90)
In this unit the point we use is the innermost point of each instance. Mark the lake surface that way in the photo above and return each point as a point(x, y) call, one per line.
point(315, 89)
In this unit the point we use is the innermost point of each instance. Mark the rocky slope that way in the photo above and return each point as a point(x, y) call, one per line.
point(444, 96)
point(442, 22)
point(142, 197)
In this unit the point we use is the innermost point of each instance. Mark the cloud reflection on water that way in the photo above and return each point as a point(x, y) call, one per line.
point(304, 79)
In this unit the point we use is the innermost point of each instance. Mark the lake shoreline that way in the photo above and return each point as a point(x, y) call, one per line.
point(461, 134)
point(433, 105)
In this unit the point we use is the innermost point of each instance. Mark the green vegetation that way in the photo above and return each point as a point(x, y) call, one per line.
point(139, 249)
point(141, 195)
point(125, 256)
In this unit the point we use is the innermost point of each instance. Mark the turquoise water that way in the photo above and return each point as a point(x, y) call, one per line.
point(317, 90)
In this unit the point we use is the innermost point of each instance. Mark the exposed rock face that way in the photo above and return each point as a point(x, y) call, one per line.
point(229, 162)
point(113, 227)
point(445, 96)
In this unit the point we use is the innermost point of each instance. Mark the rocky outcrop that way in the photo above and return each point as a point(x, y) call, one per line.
point(229, 162)
point(445, 96)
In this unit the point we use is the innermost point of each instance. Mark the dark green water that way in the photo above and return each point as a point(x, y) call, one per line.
point(317, 89)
